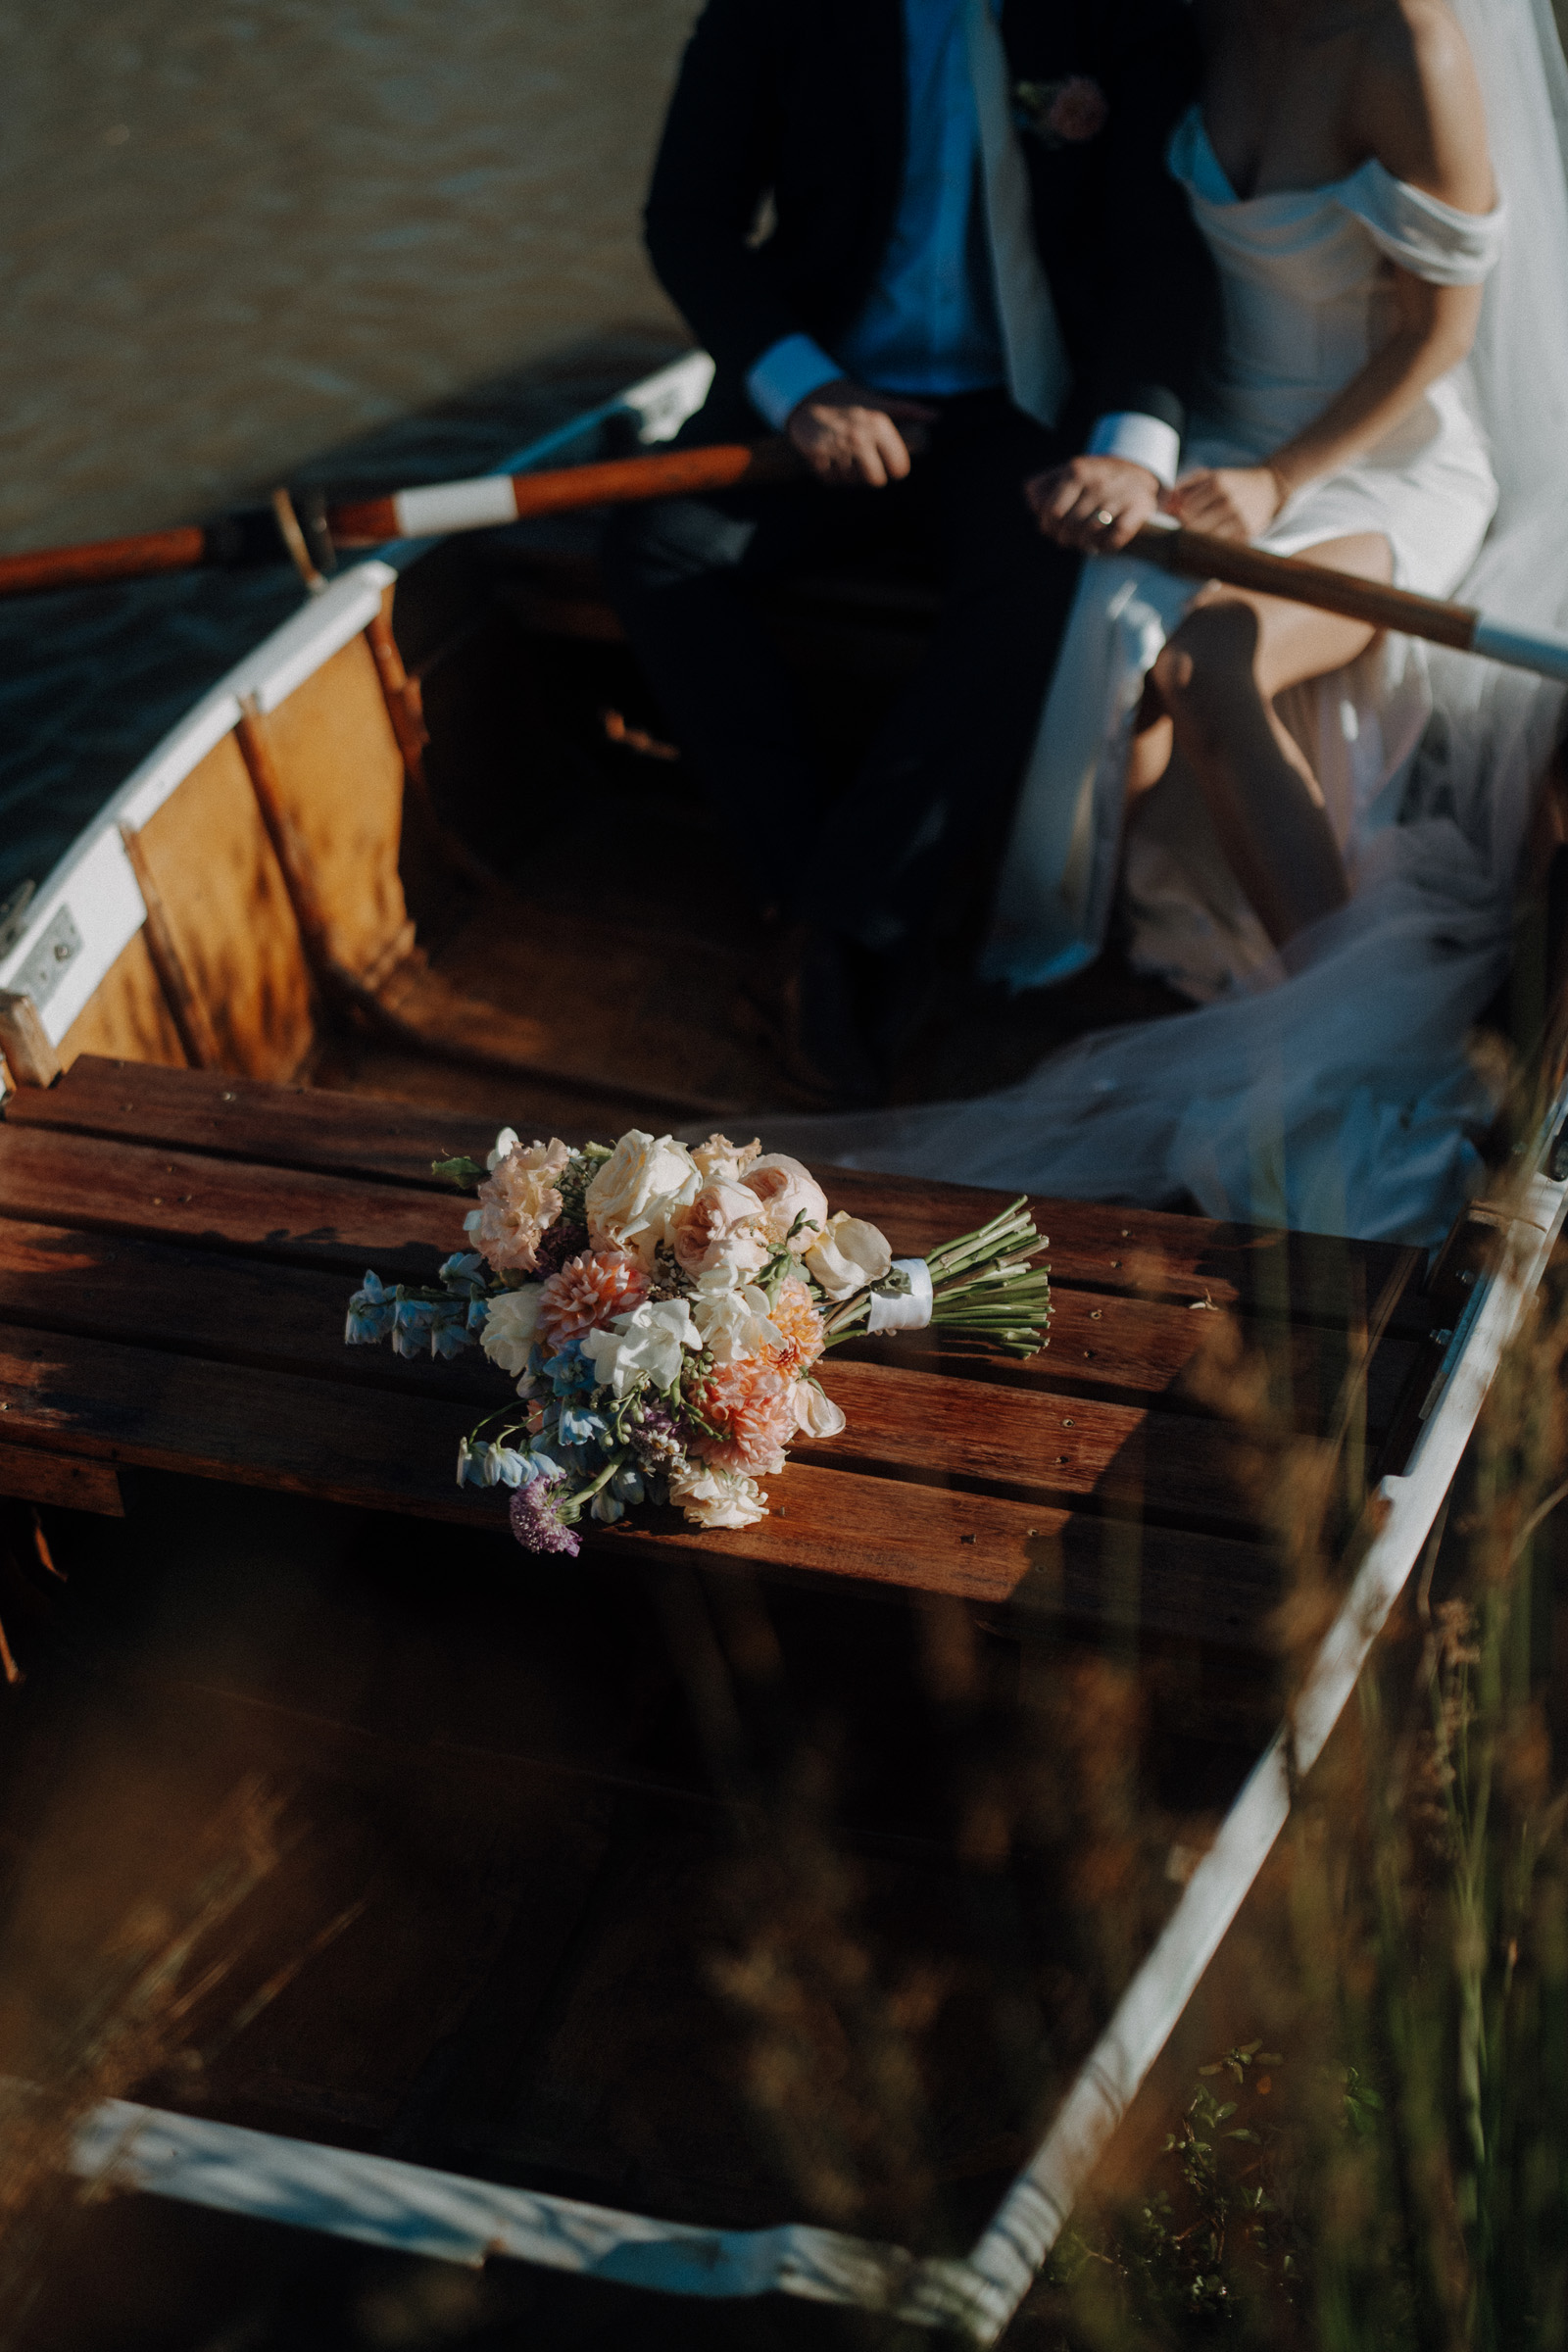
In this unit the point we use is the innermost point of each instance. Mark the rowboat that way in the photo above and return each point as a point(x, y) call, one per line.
point(714, 1922)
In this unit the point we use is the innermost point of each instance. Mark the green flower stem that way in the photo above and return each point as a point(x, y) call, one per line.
point(573, 1504)
point(981, 1284)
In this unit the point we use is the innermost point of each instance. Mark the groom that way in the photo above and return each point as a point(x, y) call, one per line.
point(904, 229)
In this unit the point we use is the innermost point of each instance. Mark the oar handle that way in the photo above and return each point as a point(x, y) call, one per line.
point(1202, 556)
point(502, 498)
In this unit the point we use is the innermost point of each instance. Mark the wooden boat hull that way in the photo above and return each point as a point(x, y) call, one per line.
point(576, 1858)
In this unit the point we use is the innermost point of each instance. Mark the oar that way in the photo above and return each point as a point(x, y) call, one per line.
point(1199, 556)
point(273, 534)
point(268, 534)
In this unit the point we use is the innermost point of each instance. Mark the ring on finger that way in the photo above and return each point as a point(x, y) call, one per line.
point(1105, 517)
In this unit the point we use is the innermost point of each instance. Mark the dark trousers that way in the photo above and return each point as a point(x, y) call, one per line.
point(906, 853)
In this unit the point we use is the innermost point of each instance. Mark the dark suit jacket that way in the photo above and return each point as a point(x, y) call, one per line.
point(804, 100)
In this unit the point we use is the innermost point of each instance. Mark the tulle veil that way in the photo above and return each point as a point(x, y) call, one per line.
point(1342, 1096)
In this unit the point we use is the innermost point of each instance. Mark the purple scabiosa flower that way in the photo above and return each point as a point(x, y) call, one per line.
point(563, 1240)
point(536, 1519)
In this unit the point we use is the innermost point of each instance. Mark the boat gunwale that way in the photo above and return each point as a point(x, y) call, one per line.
point(93, 880)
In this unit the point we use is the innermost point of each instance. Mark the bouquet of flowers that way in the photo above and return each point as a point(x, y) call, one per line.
point(663, 1311)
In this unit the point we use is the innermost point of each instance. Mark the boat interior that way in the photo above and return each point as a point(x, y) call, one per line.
point(732, 1899)
point(389, 871)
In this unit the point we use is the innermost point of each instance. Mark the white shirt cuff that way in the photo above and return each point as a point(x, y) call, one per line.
point(788, 372)
point(1145, 440)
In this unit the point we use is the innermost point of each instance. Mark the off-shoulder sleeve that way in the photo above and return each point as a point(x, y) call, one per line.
point(1429, 238)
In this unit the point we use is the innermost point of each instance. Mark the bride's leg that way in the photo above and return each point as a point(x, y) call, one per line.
point(1217, 678)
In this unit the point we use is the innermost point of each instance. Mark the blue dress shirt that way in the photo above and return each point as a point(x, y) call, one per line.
point(930, 325)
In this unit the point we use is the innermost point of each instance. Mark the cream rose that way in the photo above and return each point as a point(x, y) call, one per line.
point(847, 1256)
point(719, 1161)
point(509, 1324)
point(815, 1415)
point(723, 1226)
point(786, 1191)
point(713, 1498)
point(637, 1190)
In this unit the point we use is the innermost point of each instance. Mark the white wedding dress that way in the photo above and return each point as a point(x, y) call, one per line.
point(1328, 1086)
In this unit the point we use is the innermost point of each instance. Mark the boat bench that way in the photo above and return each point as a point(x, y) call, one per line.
point(176, 1249)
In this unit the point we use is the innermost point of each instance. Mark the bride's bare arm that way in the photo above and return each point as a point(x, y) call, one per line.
point(1418, 110)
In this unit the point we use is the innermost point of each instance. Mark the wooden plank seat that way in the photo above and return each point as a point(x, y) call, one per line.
point(177, 1247)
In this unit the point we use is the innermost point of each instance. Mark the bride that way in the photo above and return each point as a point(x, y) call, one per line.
point(1325, 828)
point(1337, 165)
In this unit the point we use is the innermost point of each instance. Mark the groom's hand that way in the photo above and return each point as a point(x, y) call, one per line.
point(847, 437)
point(1072, 501)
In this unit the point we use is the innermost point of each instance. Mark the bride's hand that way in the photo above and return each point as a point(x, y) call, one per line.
point(1097, 504)
point(1232, 502)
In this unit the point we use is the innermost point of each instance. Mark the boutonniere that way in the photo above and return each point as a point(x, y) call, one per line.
point(1062, 113)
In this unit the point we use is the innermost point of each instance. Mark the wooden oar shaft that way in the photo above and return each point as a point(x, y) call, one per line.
point(495, 497)
point(1200, 557)
point(500, 498)
point(101, 559)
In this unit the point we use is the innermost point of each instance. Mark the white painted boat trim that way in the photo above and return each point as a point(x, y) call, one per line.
point(416, 2210)
point(93, 883)
point(92, 895)
point(1030, 2217)
point(404, 2205)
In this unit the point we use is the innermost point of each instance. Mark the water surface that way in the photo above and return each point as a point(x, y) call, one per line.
point(264, 241)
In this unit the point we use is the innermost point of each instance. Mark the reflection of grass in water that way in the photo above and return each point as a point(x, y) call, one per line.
point(1410, 2186)
point(110, 2023)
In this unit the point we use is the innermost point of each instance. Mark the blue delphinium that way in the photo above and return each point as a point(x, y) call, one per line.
point(568, 1371)
point(579, 1424)
point(370, 1312)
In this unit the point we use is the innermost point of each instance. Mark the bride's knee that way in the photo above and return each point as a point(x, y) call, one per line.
point(1200, 670)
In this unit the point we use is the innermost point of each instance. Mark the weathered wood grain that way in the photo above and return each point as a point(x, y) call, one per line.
point(256, 1311)
point(288, 1214)
point(231, 930)
point(32, 1476)
point(111, 1402)
point(1124, 1253)
point(127, 1014)
point(242, 1118)
point(923, 1426)
point(229, 1310)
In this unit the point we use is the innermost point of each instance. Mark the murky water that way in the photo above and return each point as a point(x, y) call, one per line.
point(258, 240)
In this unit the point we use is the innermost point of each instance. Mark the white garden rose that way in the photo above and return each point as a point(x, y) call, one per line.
point(788, 1192)
point(732, 1317)
point(637, 1190)
point(815, 1415)
point(647, 1341)
point(723, 1162)
point(847, 1257)
point(722, 1225)
point(713, 1498)
point(509, 1324)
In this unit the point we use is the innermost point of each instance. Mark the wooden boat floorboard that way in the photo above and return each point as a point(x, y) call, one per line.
point(175, 1249)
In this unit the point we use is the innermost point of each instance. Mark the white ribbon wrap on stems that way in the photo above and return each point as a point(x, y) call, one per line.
point(907, 1311)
